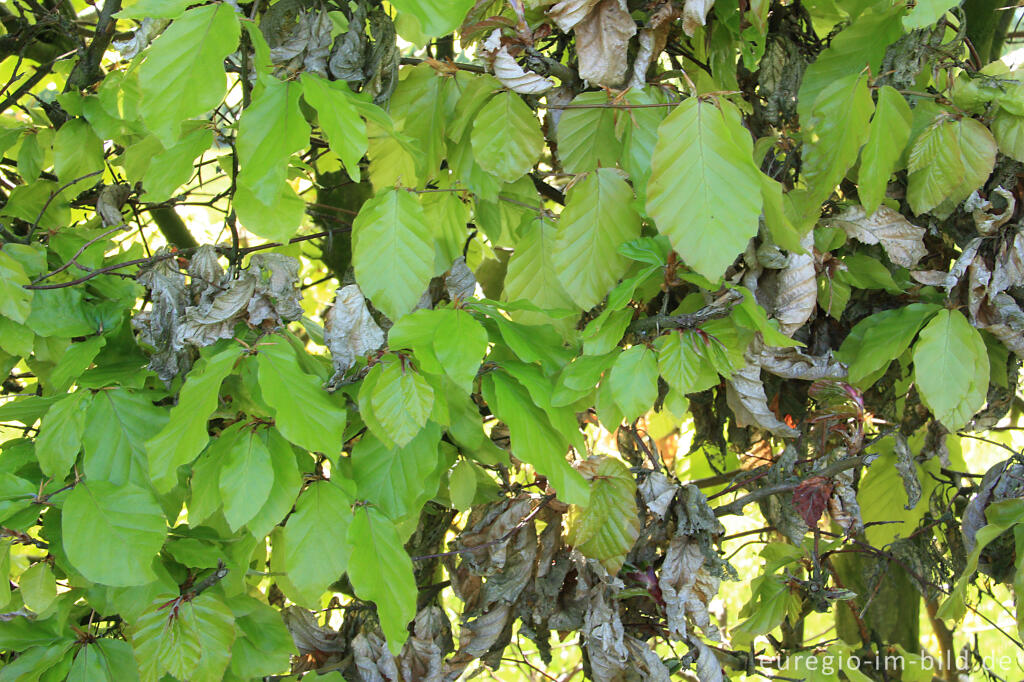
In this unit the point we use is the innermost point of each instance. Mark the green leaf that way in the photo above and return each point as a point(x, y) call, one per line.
point(383, 573)
point(634, 381)
point(448, 339)
point(286, 485)
point(104, 660)
point(586, 135)
point(833, 133)
point(304, 412)
point(391, 251)
point(683, 362)
point(608, 526)
point(313, 551)
point(882, 497)
point(421, 106)
point(112, 533)
point(185, 435)
point(264, 643)
point(172, 167)
point(15, 301)
point(345, 130)
point(187, 639)
point(704, 192)
point(38, 587)
point(60, 434)
point(160, 9)
point(73, 363)
point(246, 477)
point(887, 138)
point(948, 161)
point(273, 216)
point(77, 152)
point(120, 421)
point(183, 73)
point(881, 338)
point(1008, 130)
point(270, 130)
point(639, 131)
point(448, 215)
point(398, 480)
point(926, 12)
point(531, 274)
point(951, 368)
point(401, 401)
point(783, 231)
point(462, 484)
point(435, 19)
point(534, 440)
point(597, 219)
point(506, 137)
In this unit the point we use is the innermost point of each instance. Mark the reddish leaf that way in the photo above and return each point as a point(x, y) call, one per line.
point(810, 498)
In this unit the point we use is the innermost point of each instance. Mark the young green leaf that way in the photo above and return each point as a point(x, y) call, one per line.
point(120, 421)
point(634, 381)
point(185, 435)
point(391, 251)
point(105, 660)
point(949, 160)
point(60, 434)
point(183, 73)
point(345, 130)
point(270, 130)
point(586, 135)
point(532, 275)
point(444, 340)
point(704, 192)
point(401, 401)
point(683, 362)
point(383, 573)
point(597, 219)
point(112, 533)
point(951, 368)
point(881, 338)
point(608, 526)
point(304, 412)
point(888, 136)
point(15, 300)
point(506, 137)
point(398, 480)
point(246, 478)
point(312, 549)
point(187, 639)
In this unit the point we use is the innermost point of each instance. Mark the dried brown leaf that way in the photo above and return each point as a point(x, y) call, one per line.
point(567, 13)
point(657, 492)
point(109, 203)
point(797, 290)
point(707, 665)
point(1009, 266)
point(843, 506)
point(157, 326)
point(695, 14)
point(422, 657)
point(687, 588)
point(793, 363)
point(652, 41)
point(372, 658)
point(309, 636)
point(1004, 319)
point(987, 222)
point(349, 329)
point(907, 470)
point(460, 282)
point(746, 398)
point(811, 497)
point(602, 39)
point(902, 241)
point(510, 73)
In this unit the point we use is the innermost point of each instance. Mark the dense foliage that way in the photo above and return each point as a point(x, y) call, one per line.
point(378, 339)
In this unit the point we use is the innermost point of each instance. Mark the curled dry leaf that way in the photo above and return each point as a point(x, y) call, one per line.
point(902, 241)
point(567, 13)
point(478, 636)
point(843, 506)
point(306, 46)
point(687, 588)
point(988, 223)
point(707, 665)
point(309, 636)
point(157, 326)
point(602, 39)
point(1009, 266)
point(372, 658)
point(349, 330)
point(460, 282)
point(746, 398)
point(652, 41)
point(140, 39)
point(793, 363)
point(695, 14)
point(422, 657)
point(346, 60)
point(797, 290)
point(963, 262)
point(510, 73)
point(109, 203)
point(1002, 317)
point(657, 492)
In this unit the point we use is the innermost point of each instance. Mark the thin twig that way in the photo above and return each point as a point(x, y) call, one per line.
point(73, 260)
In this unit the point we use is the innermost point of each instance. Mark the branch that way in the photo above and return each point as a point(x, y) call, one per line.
point(736, 506)
point(172, 227)
point(87, 71)
point(720, 308)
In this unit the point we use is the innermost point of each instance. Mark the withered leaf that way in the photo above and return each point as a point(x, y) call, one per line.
point(707, 665)
point(797, 290)
point(157, 326)
point(695, 14)
point(657, 492)
point(567, 13)
point(372, 658)
point(510, 73)
point(987, 222)
point(652, 41)
point(601, 42)
point(1009, 266)
point(423, 653)
point(907, 470)
point(309, 636)
point(109, 203)
point(687, 588)
point(746, 398)
point(349, 329)
point(1004, 319)
point(460, 282)
point(843, 506)
point(902, 241)
point(793, 363)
